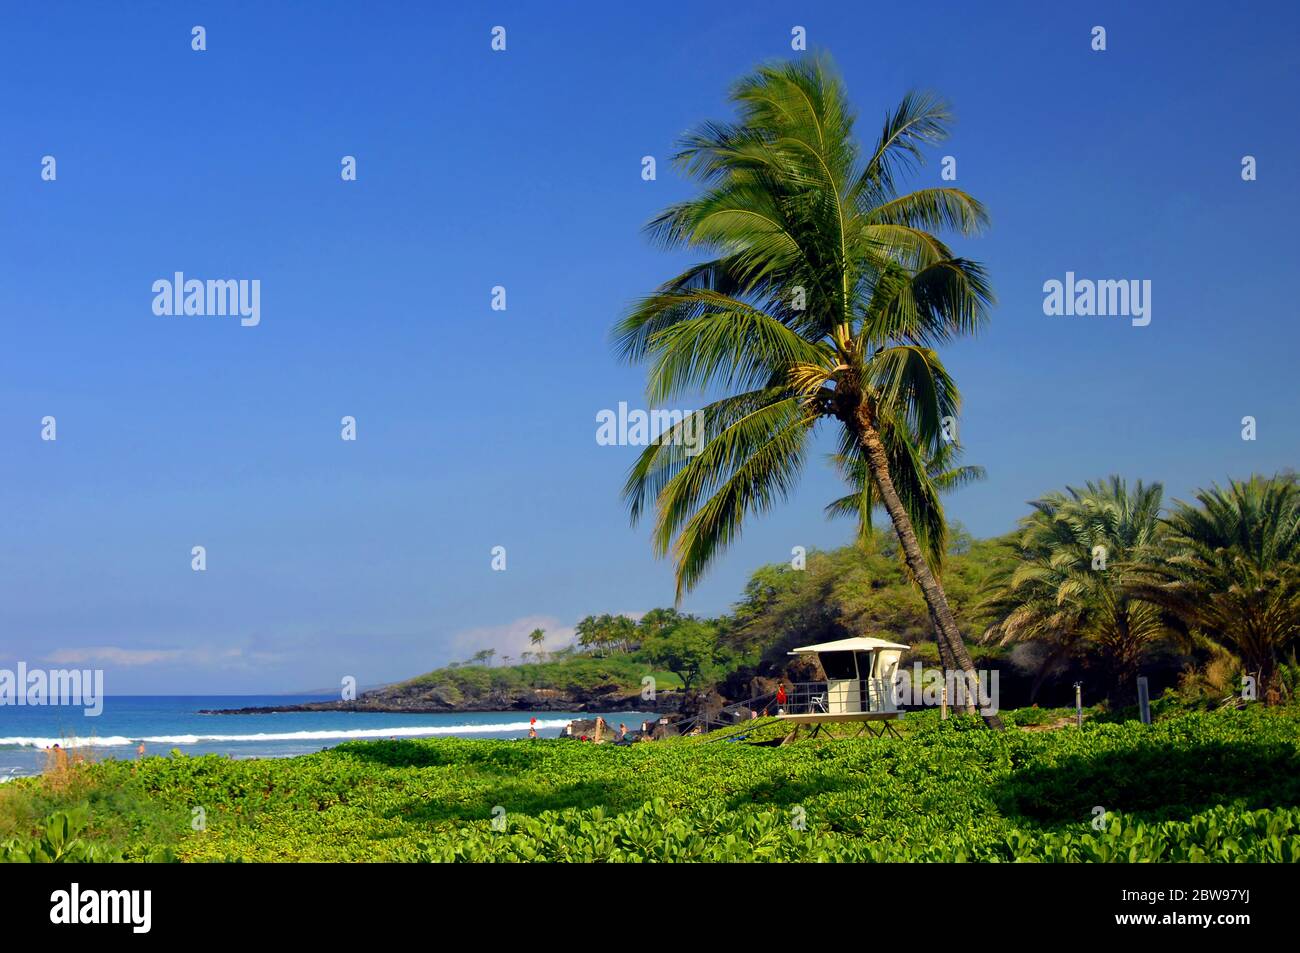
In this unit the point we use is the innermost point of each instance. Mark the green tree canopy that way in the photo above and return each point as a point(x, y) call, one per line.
point(1230, 572)
point(1070, 585)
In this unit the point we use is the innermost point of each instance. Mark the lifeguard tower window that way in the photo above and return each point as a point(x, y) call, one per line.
point(838, 665)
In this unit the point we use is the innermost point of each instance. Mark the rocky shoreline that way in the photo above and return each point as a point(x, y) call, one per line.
point(436, 701)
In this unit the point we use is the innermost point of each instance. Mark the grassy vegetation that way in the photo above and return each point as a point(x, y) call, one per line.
point(1194, 786)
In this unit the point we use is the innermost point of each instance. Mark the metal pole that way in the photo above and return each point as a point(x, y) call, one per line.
point(1078, 704)
point(1144, 700)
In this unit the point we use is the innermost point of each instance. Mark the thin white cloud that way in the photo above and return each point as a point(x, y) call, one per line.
point(131, 658)
point(112, 655)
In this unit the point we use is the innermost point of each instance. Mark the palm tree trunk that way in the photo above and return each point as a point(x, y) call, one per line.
point(936, 601)
point(945, 655)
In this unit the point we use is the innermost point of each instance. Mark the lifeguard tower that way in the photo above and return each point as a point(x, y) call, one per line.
point(859, 687)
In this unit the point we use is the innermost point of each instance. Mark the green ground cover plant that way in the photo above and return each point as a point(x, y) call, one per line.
point(1195, 786)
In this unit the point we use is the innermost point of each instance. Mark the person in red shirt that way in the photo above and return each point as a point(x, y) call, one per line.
point(780, 694)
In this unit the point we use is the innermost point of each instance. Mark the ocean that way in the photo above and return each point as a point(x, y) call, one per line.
point(166, 722)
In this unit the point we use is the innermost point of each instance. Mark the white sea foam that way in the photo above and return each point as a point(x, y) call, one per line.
point(414, 731)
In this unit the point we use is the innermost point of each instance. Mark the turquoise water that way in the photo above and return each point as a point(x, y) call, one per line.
point(166, 722)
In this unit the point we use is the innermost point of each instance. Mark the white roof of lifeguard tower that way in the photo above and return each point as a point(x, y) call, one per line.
point(857, 644)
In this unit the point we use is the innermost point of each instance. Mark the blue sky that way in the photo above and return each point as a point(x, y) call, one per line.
point(475, 427)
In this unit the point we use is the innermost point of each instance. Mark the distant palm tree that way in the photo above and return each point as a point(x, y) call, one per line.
point(1070, 587)
point(601, 633)
point(538, 638)
point(1231, 573)
point(827, 295)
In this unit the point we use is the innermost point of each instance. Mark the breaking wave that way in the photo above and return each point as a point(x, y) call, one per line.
point(415, 731)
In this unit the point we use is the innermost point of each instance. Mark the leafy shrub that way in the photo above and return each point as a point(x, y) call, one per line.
point(58, 840)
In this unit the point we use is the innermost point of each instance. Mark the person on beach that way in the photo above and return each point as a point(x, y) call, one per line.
point(139, 752)
point(60, 756)
point(532, 731)
point(622, 732)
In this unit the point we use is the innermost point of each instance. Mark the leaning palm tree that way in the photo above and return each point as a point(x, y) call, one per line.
point(824, 298)
point(1070, 586)
point(1231, 573)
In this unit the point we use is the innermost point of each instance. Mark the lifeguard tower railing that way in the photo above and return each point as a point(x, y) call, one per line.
point(737, 713)
point(838, 696)
point(841, 696)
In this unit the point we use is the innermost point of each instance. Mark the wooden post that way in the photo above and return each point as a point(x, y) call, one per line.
point(1078, 704)
point(943, 703)
point(1144, 700)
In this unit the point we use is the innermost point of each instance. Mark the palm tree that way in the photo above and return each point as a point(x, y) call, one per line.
point(538, 638)
point(1230, 572)
point(1070, 587)
point(826, 296)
